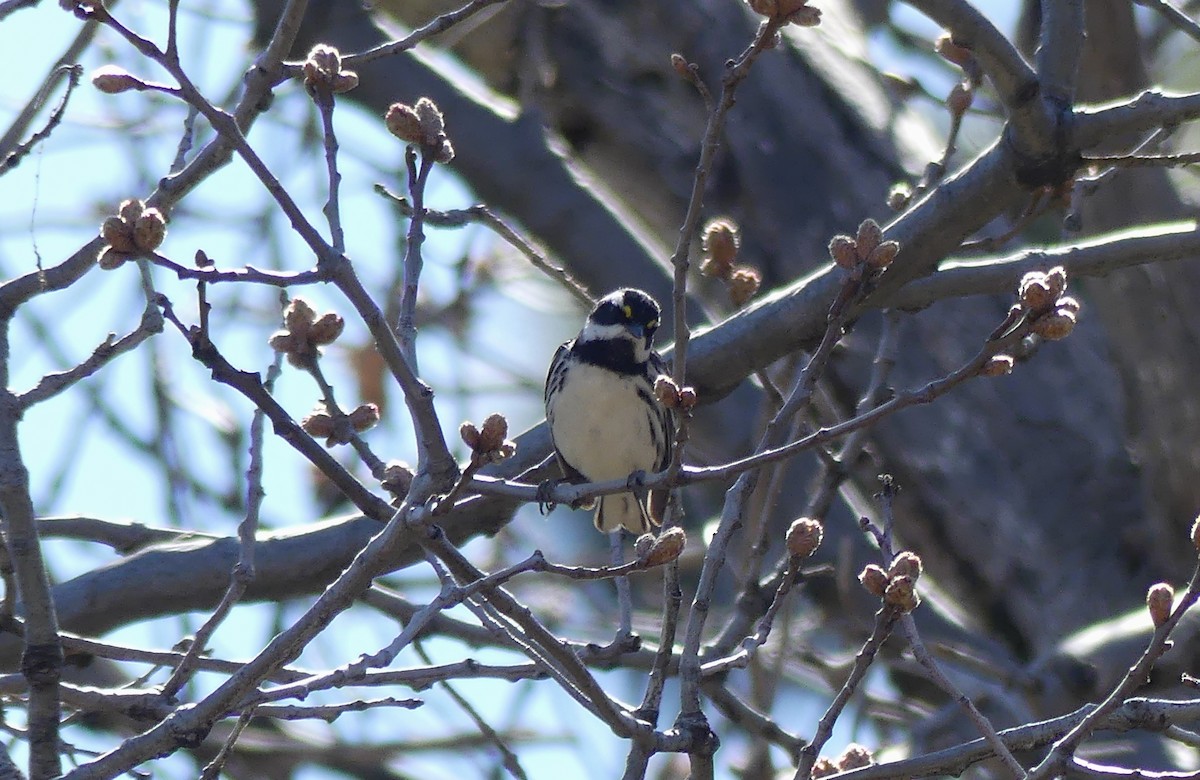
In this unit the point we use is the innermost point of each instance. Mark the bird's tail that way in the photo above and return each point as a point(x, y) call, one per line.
point(625, 510)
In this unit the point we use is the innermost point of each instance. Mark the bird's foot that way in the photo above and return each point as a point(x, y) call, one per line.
point(545, 490)
point(637, 484)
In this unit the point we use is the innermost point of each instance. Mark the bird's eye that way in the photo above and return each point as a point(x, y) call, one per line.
point(628, 311)
point(652, 324)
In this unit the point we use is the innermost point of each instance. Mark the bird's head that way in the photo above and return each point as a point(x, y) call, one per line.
point(627, 315)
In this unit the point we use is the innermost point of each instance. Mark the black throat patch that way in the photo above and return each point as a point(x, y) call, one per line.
point(614, 354)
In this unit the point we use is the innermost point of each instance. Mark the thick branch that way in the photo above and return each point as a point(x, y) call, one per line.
point(1015, 82)
point(1060, 48)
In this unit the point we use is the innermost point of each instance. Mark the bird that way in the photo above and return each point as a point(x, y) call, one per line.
point(605, 420)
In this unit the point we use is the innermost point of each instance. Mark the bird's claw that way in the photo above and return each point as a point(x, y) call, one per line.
point(637, 483)
point(545, 490)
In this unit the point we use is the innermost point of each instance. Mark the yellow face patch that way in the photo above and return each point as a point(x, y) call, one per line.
point(628, 311)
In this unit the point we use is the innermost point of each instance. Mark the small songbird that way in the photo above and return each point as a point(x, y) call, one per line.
point(605, 420)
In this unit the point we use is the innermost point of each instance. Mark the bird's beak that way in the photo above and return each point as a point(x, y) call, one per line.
point(637, 329)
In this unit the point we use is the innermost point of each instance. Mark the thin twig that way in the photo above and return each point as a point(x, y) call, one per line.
point(1015, 81)
point(736, 72)
point(752, 642)
point(482, 215)
point(1177, 19)
point(251, 386)
point(52, 384)
point(13, 158)
point(323, 97)
point(1137, 676)
point(212, 770)
point(437, 25)
point(508, 758)
point(1144, 160)
point(418, 175)
point(885, 620)
point(908, 627)
point(579, 682)
point(1135, 714)
point(243, 571)
point(342, 422)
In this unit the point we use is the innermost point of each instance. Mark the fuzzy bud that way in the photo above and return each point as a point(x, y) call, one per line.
point(721, 240)
point(493, 433)
point(318, 424)
point(422, 125)
point(118, 234)
point(791, 11)
point(402, 121)
point(322, 62)
point(712, 269)
point(1056, 325)
point(687, 398)
point(855, 756)
point(666, 548)
point(1035, 293)
point(870, 235)
point(823, 767)
point(397, 478)
point(844, 251)
point(901, 593)
point(804, 537)
point(296, 339)
point(344, 81)
point(642, 545)
point(874, 579)
point(1056, 277)
point(444, 151)
point(323, 69)
point(961, 97)
point(666, 391)
point(283, 341)
point(743, 284)
point(470, 435)
point(998, 365)
point(323, 58)
point(899, 196)
point(299, 316)
point(680, 65)
point(883, 255)
point(430, 116)
point(130, 210)
point(113, 80)
point(806, 16)
point(1159, 600)
point(364, 417)
point(109, 258)
point(1067, 303)
point(905, 564)
point(149, 230)
point(326, 328)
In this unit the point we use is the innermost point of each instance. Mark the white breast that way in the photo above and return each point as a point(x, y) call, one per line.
point(601, 427)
